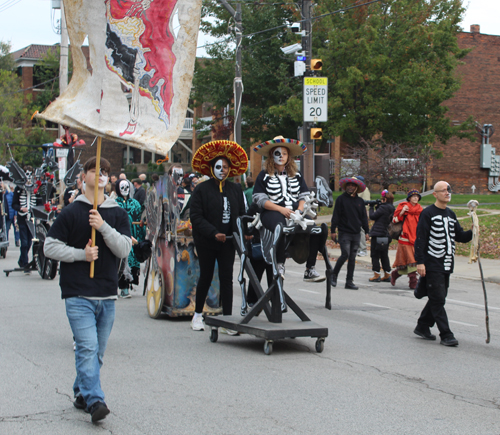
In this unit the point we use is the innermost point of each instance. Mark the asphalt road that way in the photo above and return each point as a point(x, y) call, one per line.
point(373, 377)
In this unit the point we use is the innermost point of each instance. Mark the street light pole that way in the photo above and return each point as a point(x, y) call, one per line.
point(308, 159)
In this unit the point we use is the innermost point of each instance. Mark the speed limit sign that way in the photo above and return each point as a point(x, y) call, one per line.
point(315, 99)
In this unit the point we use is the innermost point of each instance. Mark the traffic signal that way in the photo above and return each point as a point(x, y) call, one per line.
point(316, 133)
point(316, 64)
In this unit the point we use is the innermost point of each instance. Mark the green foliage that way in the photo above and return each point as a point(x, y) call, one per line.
point(6, 60)
point(390, 67)
point(153, 167)
point(130, 172)
point(267, 73)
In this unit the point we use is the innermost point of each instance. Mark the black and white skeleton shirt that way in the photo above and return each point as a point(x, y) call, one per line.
point(437, 231)
point(280, 189)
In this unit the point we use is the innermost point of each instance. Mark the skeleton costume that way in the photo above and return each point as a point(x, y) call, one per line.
point(25, 196)
point(130, 274)
point(280, 188)
point(437, 231)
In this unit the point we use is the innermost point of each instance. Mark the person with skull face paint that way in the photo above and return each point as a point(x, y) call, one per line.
point(279, 190)
point(124, 198)
point(215, 205)
point(23, 200)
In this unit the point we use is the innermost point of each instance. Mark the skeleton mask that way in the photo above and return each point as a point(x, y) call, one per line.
point(124, 188)
point(29, 177)
point(279, 159)
point(218, 169)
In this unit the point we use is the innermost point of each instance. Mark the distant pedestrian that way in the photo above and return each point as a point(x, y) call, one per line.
point(140, 192)
point(90, 302)
point(437, 231)
point(349, 216)
point(10, 213)
point(379, 251)
point(405, 263)
point(249, 182)
point(365, 196)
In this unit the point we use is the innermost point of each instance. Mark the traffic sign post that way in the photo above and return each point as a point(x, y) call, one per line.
point(315, 100)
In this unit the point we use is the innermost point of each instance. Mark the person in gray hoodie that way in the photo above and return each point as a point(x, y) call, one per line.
point(90, 302)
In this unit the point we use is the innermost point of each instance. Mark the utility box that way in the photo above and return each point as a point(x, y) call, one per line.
point(322, 166)
point(485, 156)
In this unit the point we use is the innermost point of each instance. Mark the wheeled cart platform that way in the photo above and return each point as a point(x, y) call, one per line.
point(277, 322)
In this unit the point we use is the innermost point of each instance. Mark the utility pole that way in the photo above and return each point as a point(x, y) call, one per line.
point(238, 83)
point(308, 159)
point(63, 60)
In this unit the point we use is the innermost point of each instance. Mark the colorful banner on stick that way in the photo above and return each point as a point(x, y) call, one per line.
point(136, 88)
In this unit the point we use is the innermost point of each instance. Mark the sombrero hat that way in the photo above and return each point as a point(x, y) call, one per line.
point(352, 180)
point(220, 148)
point(296, 147)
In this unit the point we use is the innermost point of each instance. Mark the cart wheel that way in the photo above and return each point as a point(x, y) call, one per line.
point(214, 335)
point(7, 273)
point(320, 345)
point(4, 252)
point(268, 347)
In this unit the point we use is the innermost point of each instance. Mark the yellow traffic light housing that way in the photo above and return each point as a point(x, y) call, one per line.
point(316, 133)
point(316, 64)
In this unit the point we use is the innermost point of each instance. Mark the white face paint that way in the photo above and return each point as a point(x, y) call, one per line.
point(103, 180)
point(124, 189)
point(218, 169)
point(29, 177)
point(280, 156)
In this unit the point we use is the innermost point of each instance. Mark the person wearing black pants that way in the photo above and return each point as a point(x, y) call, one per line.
point(349, 216)
point(215, 205)
point(380, 236)
point(437, 231)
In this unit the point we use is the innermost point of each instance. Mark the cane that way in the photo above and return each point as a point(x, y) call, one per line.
point(475, 256)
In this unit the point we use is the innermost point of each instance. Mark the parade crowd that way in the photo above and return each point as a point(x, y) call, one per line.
point(425, 240)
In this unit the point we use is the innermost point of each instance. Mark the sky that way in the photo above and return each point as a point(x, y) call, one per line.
point(25, 22)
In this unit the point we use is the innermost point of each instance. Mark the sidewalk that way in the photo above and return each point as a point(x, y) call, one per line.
point(464, 270)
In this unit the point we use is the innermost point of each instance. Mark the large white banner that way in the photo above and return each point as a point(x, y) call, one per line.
point(136, 88)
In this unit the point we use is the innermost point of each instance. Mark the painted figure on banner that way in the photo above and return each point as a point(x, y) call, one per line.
point(135, 86)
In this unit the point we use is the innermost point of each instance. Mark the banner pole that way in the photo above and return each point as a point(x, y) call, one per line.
point(96, 193)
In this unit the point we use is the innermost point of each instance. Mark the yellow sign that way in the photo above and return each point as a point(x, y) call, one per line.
point(315, 81)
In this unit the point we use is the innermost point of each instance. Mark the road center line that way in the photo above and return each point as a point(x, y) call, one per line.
point(309, 291)
point(375, 305)
point(471, 304)
point(461, 323)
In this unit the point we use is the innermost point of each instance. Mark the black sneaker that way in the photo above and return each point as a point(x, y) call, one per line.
point(80, 403)
point(98, 411)
point(449, 341)
point(334, 280)
point(424, 333)
point(351, 286)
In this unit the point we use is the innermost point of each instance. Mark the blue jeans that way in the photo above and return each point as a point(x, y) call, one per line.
point(91, 322)
point(349, 245)
point(25, 235)
point(8, 223)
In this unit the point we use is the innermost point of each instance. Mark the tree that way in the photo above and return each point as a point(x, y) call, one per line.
point(390, 66)
point(267, 73)
point(6, 61)
point(16, 126)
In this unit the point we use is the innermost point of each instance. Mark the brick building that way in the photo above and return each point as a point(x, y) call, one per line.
point(478, 96)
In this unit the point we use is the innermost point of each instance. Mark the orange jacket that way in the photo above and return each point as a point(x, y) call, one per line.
point(409, 233)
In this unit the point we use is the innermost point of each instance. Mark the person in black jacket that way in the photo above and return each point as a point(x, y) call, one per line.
point(380, 237)
point(90, 302)
point(437, 231)
point(349, 216)
point(215, 205)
